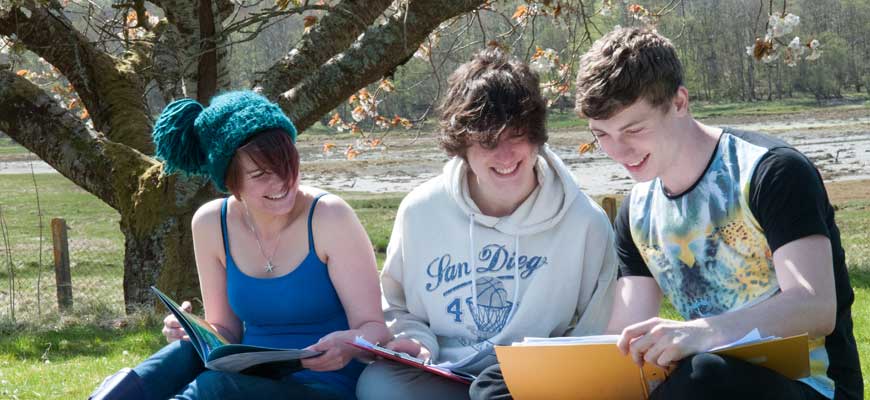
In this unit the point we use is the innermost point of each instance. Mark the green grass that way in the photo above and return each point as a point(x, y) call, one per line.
point(54, 358)
point(704, 110)
point(376, 212)
point(565, 121)
point(853, 220)
point(95, 244)
point(761, 108)
point(69, 361)
point(10, 148)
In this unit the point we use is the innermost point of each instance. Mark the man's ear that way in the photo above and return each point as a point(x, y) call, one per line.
point(680, 102)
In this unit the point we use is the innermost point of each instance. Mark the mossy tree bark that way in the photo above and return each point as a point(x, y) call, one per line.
point(353, 44)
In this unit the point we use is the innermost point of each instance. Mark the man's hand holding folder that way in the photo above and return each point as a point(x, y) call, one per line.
point(593, 366)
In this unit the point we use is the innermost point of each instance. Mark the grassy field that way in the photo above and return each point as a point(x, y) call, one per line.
point(705, 110)
point(8, 147)
point(95, 244)
point(51, 358)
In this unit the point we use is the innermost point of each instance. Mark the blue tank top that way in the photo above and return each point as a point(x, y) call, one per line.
point(290, 311)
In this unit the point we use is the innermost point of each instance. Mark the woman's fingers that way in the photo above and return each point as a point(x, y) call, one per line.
point(172, 329)
point(330, 360)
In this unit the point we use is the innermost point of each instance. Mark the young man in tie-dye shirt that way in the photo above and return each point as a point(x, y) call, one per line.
point(735, 228)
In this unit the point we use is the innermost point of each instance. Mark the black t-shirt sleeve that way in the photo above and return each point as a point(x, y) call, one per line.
point(787, 197)
point(630, 261)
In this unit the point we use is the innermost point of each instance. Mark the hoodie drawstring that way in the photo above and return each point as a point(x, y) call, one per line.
point(474, 269)
point(471, 260)
point(516, 278)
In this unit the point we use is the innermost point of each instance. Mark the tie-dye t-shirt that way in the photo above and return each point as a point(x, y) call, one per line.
point(710, 248)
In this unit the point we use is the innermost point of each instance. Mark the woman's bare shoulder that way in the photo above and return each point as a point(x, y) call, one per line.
point(207, 215)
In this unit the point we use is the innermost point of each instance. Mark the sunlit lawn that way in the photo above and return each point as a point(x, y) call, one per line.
point(47, 358)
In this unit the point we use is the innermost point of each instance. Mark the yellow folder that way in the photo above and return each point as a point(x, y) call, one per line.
point(600, 371)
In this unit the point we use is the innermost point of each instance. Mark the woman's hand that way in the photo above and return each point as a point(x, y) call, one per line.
point(410, 346)
point(336, 351)
point(172, 329)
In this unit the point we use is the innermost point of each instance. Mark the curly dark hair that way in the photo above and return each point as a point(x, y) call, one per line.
point(623, 66)
point(489, 95)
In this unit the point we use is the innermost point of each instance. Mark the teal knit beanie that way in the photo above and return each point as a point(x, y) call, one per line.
point(201, 140)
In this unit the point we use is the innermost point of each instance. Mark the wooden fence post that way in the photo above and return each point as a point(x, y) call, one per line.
point(608, 203)
point(61, 264)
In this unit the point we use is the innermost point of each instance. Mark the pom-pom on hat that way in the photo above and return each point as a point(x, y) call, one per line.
point(202, 140)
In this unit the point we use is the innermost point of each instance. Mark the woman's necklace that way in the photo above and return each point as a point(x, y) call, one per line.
point(250, 221)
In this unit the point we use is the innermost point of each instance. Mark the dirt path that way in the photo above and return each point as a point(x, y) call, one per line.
point(845, 191)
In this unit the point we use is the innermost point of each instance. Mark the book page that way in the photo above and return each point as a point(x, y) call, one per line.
point(239, 361)
point(201, 333)
point(752, 337)
point(567, 340)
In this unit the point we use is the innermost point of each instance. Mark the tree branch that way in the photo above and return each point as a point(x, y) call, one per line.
point(374, 55)
point(333, 34)
point(33, 119)
point(190, 55)
point(108, 87)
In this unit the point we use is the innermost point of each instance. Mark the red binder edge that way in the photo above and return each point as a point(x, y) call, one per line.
point(431, 369)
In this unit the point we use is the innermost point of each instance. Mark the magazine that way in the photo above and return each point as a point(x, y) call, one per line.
point(217, 353)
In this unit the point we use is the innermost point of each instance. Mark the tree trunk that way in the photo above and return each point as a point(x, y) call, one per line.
point(158, 242)
point(769, 82)
point(778, 80)
point(161, 257)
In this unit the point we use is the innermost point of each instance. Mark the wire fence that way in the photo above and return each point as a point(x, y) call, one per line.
point(28, 276)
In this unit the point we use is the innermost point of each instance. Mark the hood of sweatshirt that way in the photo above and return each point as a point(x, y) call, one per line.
point(544, 207)
point(461, 282)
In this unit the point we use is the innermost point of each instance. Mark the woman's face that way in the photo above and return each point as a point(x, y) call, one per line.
point(264, 191)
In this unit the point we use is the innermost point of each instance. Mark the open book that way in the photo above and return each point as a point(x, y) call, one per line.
point(593, 367)
point(219, 354)
point(415, 362)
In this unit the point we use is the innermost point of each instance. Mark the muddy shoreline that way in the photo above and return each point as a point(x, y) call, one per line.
point(838, 142)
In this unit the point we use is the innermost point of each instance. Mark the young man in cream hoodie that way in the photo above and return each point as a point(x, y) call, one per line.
point(502, 245)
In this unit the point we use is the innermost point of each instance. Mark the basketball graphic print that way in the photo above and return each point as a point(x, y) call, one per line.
point(493, 307)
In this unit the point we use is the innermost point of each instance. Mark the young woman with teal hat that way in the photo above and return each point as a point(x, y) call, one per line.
point(280, 264)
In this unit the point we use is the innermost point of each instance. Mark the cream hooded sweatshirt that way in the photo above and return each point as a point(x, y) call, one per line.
point(460, 281)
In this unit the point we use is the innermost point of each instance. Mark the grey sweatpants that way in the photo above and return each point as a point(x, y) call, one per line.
point(386, 380)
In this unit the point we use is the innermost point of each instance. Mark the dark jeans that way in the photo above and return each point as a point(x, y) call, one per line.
point(489, 385)
point(711, 376)
point(703, 376)
point(176, 370)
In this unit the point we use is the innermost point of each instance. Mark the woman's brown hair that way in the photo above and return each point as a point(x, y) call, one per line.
point(272, 151)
